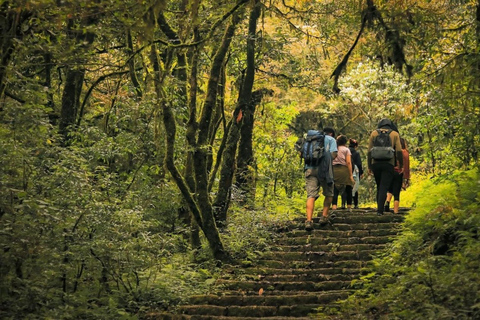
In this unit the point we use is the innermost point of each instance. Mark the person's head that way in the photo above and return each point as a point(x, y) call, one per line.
point(403, 143)
point(387, 123)
point(329, 131)
point(341, 140)
point(352, 143)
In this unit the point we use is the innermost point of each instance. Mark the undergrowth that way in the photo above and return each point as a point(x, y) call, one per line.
point(431, 270)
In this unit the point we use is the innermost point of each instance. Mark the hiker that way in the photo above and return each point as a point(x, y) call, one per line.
point(320, 175)
point(401, 180)
point(357, 173)
point(342, 173)
point(384, 151)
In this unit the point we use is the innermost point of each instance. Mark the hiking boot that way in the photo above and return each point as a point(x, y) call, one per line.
point(323, 220)
point(309, 225)
point(387, 207)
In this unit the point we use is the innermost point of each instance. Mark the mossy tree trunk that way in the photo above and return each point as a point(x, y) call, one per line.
point(227, 171)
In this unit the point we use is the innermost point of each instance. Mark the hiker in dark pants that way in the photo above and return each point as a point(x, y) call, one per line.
point(381, 160)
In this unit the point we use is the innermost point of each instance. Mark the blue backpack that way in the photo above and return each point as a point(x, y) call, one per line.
point(312, 148)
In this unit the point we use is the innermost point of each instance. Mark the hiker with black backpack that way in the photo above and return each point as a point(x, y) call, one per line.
point(317, 149)
point(384, 152)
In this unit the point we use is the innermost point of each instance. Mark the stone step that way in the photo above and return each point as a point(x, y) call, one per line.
point(318, 255)
point(333, 246)
point(266, 286)
point(342, 226)
point(353, 218)
point(301, 277)
point(268, 299)
point(309, 264)
point(260, 311)
point(169, 316)
point(307, 239)
point(265, 271)
point(302, 273)
point(334, 234)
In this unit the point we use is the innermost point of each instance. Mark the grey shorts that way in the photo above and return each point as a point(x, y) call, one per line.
point(313, 184)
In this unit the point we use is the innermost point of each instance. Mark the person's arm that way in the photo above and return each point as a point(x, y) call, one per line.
point(406, 165)
point(369, 154)
point(332, 147)
point(398, 150)
point(348, 159)
point(358, 161)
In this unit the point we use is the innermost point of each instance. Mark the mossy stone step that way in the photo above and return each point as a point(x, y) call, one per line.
point(333, 234)
point(302, 310)
point(319, 255)
point(301, 277)
point(342, 226)
point(301, 274)
point(264, 271)
point(267, 299)
point(307, 239)
point(311, 286)
point(332, 246)
point(309, 264)
point(169, 316)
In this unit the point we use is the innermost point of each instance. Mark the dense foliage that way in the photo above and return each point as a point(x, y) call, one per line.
point(431, 270)
point(142, 142)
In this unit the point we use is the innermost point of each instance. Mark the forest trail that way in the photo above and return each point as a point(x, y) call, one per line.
point(304, 271)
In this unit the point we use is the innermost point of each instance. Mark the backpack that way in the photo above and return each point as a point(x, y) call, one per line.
point(312, 147)
point(382, 146)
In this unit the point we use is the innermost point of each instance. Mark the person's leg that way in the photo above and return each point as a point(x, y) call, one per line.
point(377, 174)
point(396, 206)
point(397, 188)
point(383, 173)
point(355, 200)
point(335, 198)
point(385, 182)
point(326, 206)
point(310, 208)
point(328, 192)
point(312, 187)
point(387, 203)
point(348, 194)
point(344, 199)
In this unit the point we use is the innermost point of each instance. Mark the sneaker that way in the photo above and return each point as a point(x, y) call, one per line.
point(379, 213)
point(356, 207)
point(309, 225)
point(387, 207)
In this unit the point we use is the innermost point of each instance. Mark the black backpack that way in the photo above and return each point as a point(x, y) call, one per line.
point(312, 147)
point(382, 146)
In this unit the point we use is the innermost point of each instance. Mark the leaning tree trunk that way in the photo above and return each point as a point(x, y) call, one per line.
point(222, 198)
point(184, 215)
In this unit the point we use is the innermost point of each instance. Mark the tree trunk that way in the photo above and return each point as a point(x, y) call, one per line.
point(245, 98)
point(11, 21)
point(70, 100)
point(245, 173)
point(74, 81)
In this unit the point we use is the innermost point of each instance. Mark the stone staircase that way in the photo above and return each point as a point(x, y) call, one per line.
point(302, 272)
